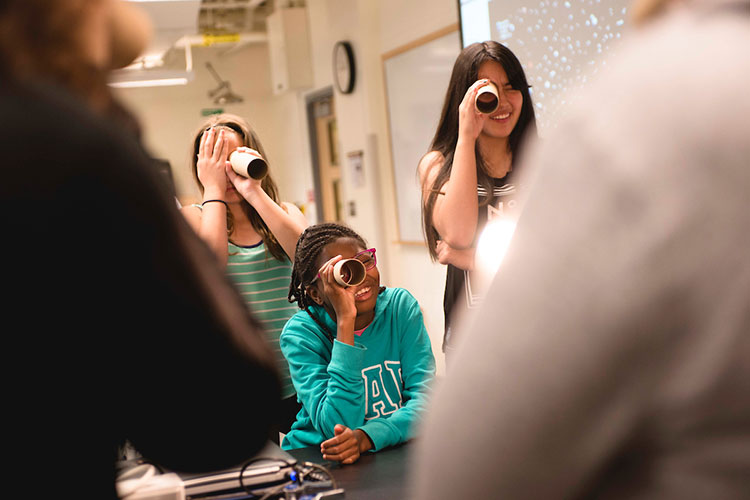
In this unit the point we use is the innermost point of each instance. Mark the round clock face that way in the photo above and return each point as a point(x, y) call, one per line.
point(343, 67)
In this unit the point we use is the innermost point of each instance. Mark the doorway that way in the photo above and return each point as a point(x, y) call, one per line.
point(326, 159)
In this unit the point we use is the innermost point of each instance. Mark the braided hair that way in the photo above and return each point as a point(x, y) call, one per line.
point(309, 245)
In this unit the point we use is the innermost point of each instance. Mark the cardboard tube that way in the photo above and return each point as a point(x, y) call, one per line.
point(349, 272)
point(487, 99)
point(248, 164)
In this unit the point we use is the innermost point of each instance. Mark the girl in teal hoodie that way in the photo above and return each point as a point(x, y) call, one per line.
point(360, 357)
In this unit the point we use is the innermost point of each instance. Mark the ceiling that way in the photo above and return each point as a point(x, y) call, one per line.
point(179, 25)
point(233, 16)
point(200, 20)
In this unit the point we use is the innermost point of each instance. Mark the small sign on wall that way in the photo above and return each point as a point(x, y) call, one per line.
point(211, 111)
point(356, 168)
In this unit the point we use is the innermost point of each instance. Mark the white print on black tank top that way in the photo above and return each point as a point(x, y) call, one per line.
point(383, 384)
point(501, 208)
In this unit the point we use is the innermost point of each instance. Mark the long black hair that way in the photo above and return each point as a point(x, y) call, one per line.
point(465, 73)
point(309, 246)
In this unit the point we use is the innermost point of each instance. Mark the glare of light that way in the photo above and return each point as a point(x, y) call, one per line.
point(493, 244)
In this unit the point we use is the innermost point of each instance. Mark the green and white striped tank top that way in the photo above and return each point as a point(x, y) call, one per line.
point(263, 282)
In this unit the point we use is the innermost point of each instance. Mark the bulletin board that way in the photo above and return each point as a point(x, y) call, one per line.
point(416, 79)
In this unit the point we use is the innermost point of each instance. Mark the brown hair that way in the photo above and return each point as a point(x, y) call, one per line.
point(40, 41)
point(250, 139)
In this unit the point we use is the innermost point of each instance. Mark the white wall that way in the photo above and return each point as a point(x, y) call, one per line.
point(374, 27)
point(400, 24)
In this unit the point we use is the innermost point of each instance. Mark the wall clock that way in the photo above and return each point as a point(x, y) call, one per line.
point(343, 67)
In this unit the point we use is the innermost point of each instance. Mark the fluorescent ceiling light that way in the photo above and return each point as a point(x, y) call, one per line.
point(163, 82)
point(147, 73)
point(150, 77)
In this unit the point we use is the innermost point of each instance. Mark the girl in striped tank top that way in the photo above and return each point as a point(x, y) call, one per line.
point(251, 232)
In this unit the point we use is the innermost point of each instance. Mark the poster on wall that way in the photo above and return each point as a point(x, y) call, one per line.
point(356, 168)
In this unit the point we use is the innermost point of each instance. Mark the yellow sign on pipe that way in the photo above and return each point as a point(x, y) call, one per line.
point(209, 39)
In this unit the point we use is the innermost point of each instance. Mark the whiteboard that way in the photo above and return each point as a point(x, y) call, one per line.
point(416, 80)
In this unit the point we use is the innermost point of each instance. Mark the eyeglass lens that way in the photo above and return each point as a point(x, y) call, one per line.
point(367, 258)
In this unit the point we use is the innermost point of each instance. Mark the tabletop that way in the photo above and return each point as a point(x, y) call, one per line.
point(373, 476)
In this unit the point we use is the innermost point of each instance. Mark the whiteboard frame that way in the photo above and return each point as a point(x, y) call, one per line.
point(396, 168)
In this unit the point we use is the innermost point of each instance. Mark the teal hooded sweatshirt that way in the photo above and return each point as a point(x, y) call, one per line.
point(379, 385)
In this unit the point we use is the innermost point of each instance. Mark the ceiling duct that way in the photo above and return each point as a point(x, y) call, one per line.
point(233, 16)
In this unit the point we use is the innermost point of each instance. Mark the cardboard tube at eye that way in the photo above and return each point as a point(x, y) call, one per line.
point(349, 272)
point(248, 164)
point(487, 99)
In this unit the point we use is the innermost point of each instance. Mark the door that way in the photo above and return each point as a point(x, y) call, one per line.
point(326, 158)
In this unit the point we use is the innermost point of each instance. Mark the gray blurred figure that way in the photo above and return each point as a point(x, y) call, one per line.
point(622, 368)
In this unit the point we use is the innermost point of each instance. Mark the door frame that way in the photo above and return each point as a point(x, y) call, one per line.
point(323, 94)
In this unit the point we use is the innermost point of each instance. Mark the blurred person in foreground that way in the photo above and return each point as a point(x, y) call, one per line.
point(119, 326)
point(622, 369)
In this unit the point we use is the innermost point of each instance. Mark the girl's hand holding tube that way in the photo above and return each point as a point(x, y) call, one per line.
point(340, 297)
point(470, 121)
point(212, 159)
point(248, 187)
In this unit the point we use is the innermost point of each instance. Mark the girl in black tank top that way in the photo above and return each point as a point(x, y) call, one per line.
point(467, 176)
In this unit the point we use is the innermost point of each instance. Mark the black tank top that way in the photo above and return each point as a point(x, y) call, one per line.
point(458, 285)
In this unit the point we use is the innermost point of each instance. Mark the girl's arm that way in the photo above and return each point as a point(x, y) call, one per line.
point(417, 371)
point(285, 221)
point(454, 214)
point(462, 259)
point(342, 301)
point(328, 379)
point(210, 222)
point(347, 443)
